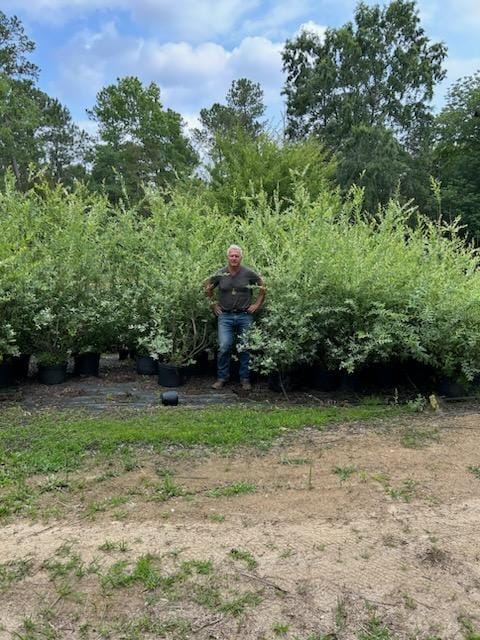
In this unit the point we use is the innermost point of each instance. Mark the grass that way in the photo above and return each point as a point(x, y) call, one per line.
point(50, 441)
point(475, 471)
point(375, 630)
point(14, 571)
point(234, 489)
point(54, 443)
point(243, 556)
point(344, 472)
point(415, 438)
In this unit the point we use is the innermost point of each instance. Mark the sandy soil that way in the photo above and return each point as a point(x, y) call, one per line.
point(392, 534)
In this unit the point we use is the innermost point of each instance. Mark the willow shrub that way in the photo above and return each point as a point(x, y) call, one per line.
point(57, 275)
point(344, 290)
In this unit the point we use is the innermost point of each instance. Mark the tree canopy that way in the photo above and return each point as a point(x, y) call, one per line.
point(379, 70)
point(140, 141)
point(457, 152)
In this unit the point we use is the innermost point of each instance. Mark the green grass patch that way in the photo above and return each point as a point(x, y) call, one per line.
point(475, 471)
point(414, 438)
point(14, 571)
point(243, 556)
point(344, 472)
point(51, 441)
point(235, 489)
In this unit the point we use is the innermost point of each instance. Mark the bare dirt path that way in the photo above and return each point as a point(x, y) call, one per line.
point(325, 533)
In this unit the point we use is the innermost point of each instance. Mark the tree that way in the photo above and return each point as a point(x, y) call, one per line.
point(63, 144)
point(379, 71)
point(365, 89)
point(247, 166)
point(140, 141)
point(457, 153)
point(240, 115)
point(20, 116)
point(14, 47)
point(19, 113)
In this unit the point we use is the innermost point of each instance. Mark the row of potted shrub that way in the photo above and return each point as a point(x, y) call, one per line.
point(346, 290)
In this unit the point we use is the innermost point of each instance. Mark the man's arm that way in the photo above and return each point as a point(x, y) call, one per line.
point(208, 287)
point(262, 291)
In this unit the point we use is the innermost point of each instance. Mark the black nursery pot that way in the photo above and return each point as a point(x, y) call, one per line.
point(146, 365)
point(169, 398)
point(20, 365)
point(451, 388)
point(52, 373)
point(6, 375)
point(87, 364)
point(169, 375)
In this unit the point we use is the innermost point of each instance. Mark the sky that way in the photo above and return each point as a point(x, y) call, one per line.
point(194, 49)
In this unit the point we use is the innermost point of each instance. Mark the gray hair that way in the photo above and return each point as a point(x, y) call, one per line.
point(237, 248)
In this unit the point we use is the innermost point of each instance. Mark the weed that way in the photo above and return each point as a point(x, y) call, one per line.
point(216, 517)
point(287, 553)
point(406, 491)
point(169, 489)
point(280, 629)
point(475, 471)
point(418, 404)
point(17, 500)
point(344, 472)
point(237, 606)
point(73, 565)
point(109, 545)
point(202, 567)
point(14, 571)
point(244, 556)
point(374, 630)
point(235, 489)
point(468, 627)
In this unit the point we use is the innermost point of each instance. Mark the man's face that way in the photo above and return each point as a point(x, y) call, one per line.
point(234, 258)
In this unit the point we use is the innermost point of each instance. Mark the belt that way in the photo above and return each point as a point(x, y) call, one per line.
point(234, 310)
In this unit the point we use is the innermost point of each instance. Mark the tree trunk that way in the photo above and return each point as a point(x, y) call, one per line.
point(16, 170)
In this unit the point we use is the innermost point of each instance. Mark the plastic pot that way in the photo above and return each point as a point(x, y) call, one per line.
point(87, 364)
point(451, 388)
point(52, 373)
point(169, 398)
point(170, 375)
point(146, 365)
point(322, 379)
point(20, 366)
point(6, 375)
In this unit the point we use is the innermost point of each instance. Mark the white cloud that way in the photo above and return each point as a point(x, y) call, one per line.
point(275, 22)
point(189, 19)
point(192, 19)
point(190, 77)
point(312, 27)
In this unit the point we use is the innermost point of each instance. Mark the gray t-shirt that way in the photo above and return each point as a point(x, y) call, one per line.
point(235, 291)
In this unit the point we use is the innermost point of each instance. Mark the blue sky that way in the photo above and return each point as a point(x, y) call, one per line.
point(193, 49)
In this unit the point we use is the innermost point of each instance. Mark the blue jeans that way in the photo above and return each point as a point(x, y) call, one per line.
point(229, 325)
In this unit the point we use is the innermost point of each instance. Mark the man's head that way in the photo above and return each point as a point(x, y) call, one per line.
point(234, 255)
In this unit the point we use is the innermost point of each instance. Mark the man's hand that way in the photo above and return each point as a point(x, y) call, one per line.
point(216, 309)
point(252, 308)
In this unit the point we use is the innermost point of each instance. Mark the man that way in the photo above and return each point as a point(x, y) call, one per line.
point(234, 310)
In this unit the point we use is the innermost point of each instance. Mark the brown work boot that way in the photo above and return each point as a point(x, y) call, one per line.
point(246, 386)
point(218, 384)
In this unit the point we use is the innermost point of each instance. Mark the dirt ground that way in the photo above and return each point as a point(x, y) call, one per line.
point(360, 529)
